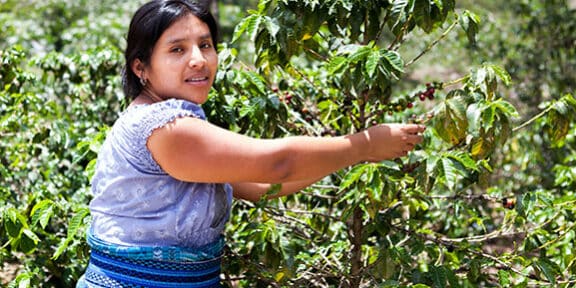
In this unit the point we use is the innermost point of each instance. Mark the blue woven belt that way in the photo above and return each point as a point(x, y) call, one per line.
point(126, 266)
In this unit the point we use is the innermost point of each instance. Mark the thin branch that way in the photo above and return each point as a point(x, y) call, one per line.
point(400, 35)
point(307, 212)
point(431, 45)
point(559, 237)
point(379, 34)
point(539, 115)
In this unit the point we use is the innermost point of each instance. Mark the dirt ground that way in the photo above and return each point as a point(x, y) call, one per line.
point(7, 272)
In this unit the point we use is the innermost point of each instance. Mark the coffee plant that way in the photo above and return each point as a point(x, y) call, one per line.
point(486, 200)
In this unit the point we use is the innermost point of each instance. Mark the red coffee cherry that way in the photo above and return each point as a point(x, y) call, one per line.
point(509, 203)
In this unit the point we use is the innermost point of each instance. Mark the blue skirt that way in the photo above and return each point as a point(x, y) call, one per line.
point(114, 265)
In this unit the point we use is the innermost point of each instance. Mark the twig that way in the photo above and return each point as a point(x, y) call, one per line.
point(533, 118)
point(306, 212)
point(431, 45)
point(400, 35)
point(559, 237)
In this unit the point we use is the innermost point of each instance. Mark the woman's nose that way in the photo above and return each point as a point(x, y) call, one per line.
point(197, 59)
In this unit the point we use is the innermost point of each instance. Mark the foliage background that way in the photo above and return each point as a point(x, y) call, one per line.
point(441, 217)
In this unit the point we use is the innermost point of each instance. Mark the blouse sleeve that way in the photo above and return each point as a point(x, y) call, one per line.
point(142, 121)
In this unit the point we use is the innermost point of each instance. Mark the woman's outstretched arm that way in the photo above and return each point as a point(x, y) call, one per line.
point(194, 150)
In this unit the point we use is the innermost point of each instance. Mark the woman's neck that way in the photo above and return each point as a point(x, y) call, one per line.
point(146, 97)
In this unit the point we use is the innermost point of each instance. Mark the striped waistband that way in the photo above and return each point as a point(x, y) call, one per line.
point(122, 266)
point(161, 253)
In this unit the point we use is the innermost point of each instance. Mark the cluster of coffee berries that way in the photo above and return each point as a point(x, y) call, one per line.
point(285, 97)
point(399, 106)
point(428, 93)
point(421, 119)
point(408, 101)
point(509, 203)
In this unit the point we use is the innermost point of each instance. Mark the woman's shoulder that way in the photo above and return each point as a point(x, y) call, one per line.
point(169, 107)
point(143, 118)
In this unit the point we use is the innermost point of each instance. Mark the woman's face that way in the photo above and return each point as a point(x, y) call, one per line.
point(183, 63)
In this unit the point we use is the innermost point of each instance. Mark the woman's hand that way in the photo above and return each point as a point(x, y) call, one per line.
point(389, 141)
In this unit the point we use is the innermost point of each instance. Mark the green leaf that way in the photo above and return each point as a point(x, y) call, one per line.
point(256, 80)
point(29, 241)
point(474, 113)
point(360, 53)
point(464, 159)
point(273, 28)
point(504, 278)
point(421, 12)
point(354, 175)
point(500, 72)
point(399, 16)
point(448, 171)
point(23, 280)
point(42, 212)
point(451, 122)
point(569, 100)
point(469, 22)
point(393, 61)
point(550, 269)
point(558, 126)
point(475, 270)
point(14, 222)
point(438, 276)
point(337, 64)
point(372, 62)
point(488, 117)
point(263, 6)
point(248, 25)
point(506, 108)
point(76, 222)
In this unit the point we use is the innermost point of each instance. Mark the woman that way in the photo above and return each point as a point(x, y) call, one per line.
point(165, 177)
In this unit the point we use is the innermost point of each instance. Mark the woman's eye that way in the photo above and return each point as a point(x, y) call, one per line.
point(206, 45)
point(176, 50)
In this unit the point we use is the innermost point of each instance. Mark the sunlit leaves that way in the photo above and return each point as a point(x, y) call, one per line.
point(469, 22)
point(21, 237)
point(451, 122)
point(548, 268)
point(398, 15)
point(42, 212)
point(486, 79)
point(77, 222)
point(560, 118)
point(248, 26)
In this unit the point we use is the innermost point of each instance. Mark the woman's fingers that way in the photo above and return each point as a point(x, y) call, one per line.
point(414, 128)
point(414, 139)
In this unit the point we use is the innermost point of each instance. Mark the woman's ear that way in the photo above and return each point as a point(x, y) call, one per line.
point(138, 68)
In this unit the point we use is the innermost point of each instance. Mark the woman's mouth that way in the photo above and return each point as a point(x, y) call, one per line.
point(197, 79)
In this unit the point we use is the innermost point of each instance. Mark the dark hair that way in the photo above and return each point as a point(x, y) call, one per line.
point(146, 27)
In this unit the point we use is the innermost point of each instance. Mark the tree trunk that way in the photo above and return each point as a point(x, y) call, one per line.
point(356, 261)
